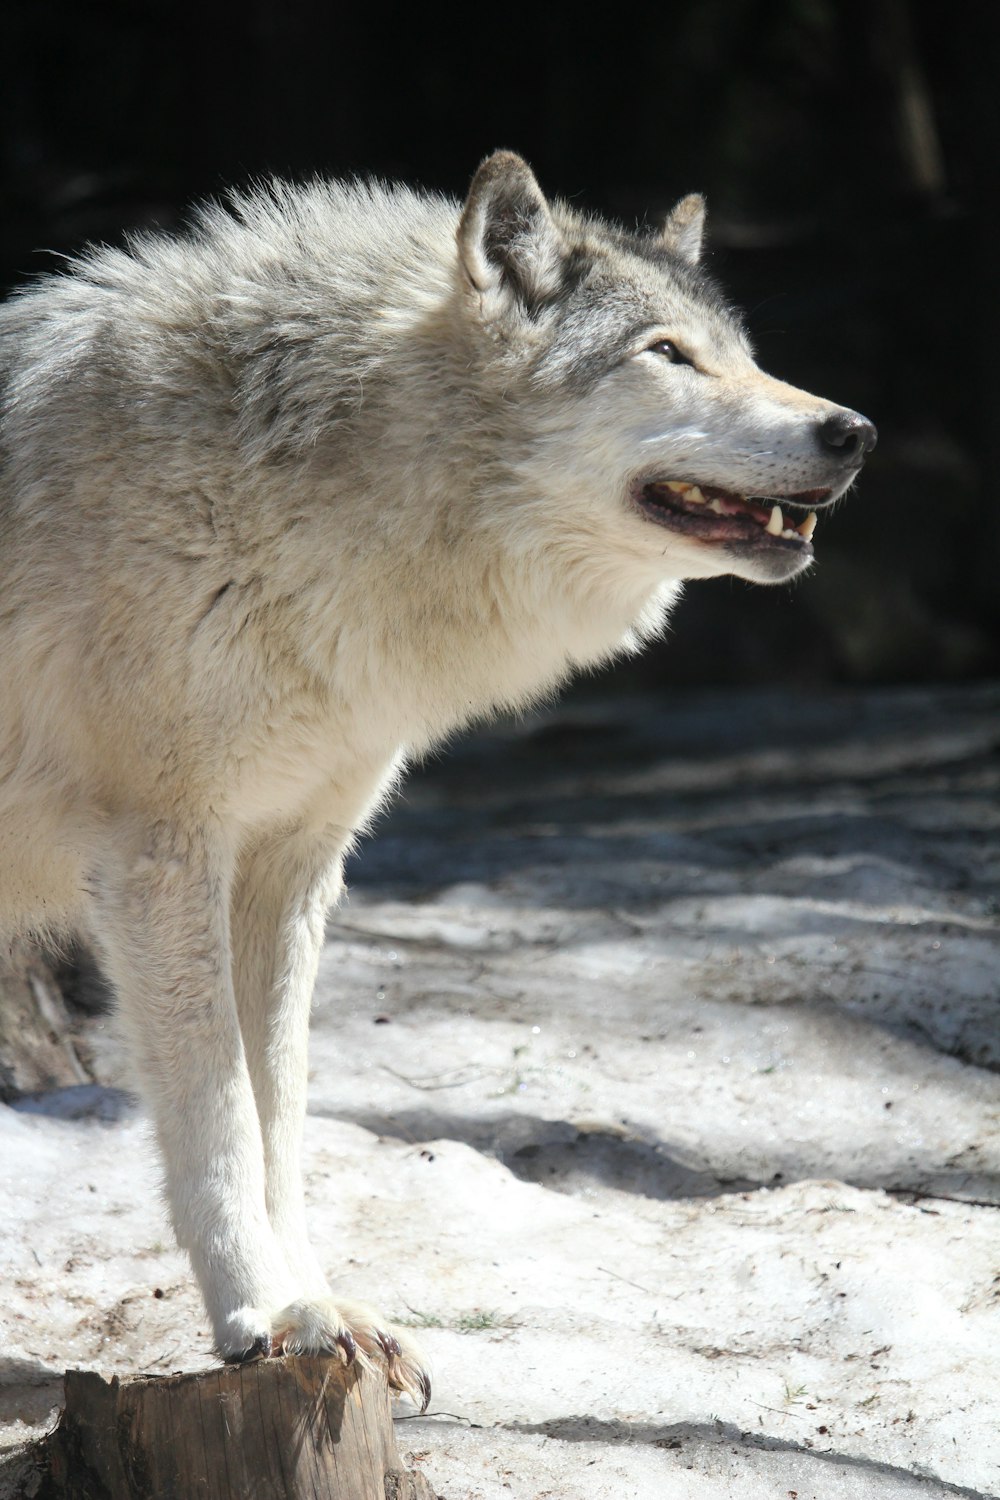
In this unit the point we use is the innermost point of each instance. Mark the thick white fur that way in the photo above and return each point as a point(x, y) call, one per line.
point(285, 502)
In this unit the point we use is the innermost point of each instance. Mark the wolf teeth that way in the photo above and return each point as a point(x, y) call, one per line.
point(776, 524)
point(690, 492)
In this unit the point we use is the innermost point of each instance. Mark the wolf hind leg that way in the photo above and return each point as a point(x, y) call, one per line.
point(159, 901)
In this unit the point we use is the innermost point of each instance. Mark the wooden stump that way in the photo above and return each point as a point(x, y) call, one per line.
point(37, 1050)
point(279, 1429)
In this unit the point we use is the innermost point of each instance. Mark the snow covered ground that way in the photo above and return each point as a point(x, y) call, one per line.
point(655, 1084)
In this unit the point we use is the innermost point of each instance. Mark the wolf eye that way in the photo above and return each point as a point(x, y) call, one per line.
point(670, 351)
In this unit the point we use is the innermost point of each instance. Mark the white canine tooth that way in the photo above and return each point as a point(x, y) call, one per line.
point(715, 505)
point(808, 526)
point(776, 524)
point(694, 493)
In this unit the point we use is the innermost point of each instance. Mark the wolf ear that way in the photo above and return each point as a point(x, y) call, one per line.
point(684, 228)
point(507, 241)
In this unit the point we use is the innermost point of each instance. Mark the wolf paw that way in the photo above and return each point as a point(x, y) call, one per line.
point(245, 1336)
point(355, 1331)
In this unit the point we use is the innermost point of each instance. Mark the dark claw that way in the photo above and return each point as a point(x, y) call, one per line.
point(390, 1346)
point(425, 1387)
point(261, 1348)
point(350, 1348)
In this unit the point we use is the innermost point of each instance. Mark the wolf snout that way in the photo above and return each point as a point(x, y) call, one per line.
point(848, 435)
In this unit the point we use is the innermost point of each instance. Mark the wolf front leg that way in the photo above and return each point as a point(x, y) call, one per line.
point(160, 910)
point(282, 894)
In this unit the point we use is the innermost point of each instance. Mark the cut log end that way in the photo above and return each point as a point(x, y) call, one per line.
point(277, 1429)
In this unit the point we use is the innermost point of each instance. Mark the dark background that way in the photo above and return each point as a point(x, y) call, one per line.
point(848, 150)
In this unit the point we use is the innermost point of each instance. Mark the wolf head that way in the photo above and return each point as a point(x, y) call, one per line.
point(644, 414)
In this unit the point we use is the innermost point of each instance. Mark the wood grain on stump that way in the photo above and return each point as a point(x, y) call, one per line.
point(305, 1428)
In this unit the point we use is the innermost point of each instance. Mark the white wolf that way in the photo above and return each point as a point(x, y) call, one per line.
point(284, 502)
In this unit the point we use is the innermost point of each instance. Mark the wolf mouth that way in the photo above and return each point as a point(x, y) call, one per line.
point(711, 514)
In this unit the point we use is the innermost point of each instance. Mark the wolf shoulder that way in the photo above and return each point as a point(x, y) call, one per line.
point(251, 336)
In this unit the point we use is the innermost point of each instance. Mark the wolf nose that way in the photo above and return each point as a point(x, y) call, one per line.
point(850, 433)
